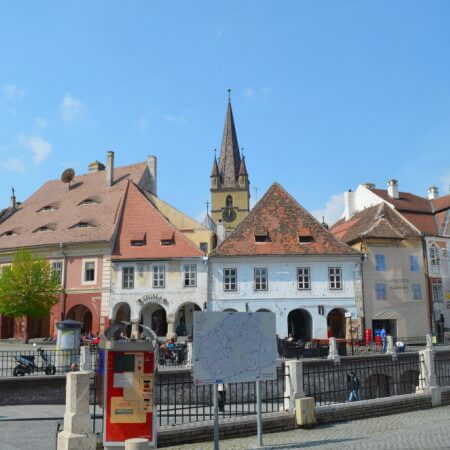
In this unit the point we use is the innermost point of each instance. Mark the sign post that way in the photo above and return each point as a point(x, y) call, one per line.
point(234, 347)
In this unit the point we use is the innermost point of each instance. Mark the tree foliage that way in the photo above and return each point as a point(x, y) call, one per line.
point(28, 287)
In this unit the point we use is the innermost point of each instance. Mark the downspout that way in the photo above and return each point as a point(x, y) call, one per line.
point(64, 278)
point(428, 283)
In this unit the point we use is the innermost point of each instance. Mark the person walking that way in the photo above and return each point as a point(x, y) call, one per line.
point(353, 387)
point(441, 328)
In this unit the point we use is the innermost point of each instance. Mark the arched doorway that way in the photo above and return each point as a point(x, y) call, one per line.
point(81, 313)
point(300, 324)
point(263, 310)
point(229, 310)
point(7, 327)
point(38, 327)
point(336, 323)
point(155, 317)
point(123, 314)
point(184, 322)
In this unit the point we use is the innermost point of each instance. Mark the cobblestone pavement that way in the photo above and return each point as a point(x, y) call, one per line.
point(426, 429)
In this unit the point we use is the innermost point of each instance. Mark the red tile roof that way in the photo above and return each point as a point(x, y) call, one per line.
point(379, 221)
point(65, 210)
point(141, 217)
point(283, 217)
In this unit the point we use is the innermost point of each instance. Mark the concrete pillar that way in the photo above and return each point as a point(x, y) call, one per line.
point(294, 384)
point(390, 349)
point(305, 411)
point(77, 434)
point(85, 359)
point(333, 350)
point(170, 329)
point(137, 444)
point(134, 330)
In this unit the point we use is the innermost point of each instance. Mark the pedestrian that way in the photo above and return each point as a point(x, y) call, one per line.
point(383, 335)
point(353, 386)
point(222, 395)
point(441, 328)
point(74, 367)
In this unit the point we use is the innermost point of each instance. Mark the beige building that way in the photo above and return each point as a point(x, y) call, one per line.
point(394, 282)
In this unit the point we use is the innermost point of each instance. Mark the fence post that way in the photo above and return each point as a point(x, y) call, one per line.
point(390, 349)
point(77, 420)
point(85, 359)
point(294, 384)
point(333, 350)
point(428, 377)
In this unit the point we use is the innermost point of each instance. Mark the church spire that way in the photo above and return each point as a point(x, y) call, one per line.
point(230, 159)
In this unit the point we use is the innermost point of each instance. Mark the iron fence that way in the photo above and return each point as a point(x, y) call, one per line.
point(298, 349)
point(378, 376)
point(442, 368)
point(37, 362)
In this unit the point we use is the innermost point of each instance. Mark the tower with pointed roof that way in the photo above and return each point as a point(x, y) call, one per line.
point(230, 185)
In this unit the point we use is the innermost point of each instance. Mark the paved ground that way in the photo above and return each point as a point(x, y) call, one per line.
point(427, 429)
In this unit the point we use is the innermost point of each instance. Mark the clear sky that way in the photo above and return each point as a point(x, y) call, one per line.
point(326, 94)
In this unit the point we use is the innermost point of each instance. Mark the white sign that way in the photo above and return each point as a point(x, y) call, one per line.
point(348, 314)
point(232, 347)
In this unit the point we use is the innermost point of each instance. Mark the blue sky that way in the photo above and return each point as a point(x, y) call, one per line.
point(326, 94)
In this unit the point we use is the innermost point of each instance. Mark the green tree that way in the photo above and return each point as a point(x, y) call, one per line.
point(28, 287)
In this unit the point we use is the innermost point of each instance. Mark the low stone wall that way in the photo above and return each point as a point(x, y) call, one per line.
point(445, 397)
point(41, 390)
point(372, 408)
point(229, 428)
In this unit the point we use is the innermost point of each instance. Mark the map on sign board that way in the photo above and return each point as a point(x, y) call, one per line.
point(232, 347)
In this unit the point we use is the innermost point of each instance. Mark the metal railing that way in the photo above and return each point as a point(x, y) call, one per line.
point(180, 401)
point(442, 368)
point(378, 376)
point(54, 362)
point(298, 349)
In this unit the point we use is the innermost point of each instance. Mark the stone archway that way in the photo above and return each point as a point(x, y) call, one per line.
point(229, 310)
point(155, 317)
point(184, 319)
point(300, 324)
point(123, 314)
point(336, 323)
point(82, 314)
point(263, 310)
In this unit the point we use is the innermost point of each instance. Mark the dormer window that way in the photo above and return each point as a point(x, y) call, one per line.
point(305, 236)
point(9, 233)
point(43, 229)
point(167, 238)
point(47, 208)
point(88, 201)
point(83, 224)
point(262, 235)
point(138, 239)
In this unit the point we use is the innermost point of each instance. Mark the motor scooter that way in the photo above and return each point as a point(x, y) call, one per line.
point(28, 364)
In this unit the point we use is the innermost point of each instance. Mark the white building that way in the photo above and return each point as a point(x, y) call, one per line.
point(281, 259)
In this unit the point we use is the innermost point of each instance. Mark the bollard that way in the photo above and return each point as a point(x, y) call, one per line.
point(333, 352)
point(85, 358)
point(137, 444)
point(77, 433)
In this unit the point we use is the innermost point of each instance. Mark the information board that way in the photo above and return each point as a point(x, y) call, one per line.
point(232, 347)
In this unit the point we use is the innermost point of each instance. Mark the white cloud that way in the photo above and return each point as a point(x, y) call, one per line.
point(13, 165)
point(142, 122)
point(70, 108)
point(251, 92)
point(41, 123)
point(445, 179)
point(40, 148)
point(11, 92)
point(333, 210)
point(174, 118)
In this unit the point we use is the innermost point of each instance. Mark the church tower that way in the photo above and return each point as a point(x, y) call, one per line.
point(230, 186)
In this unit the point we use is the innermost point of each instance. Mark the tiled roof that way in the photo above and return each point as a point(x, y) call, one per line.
point(140, 217)
point(406, 201)
point(379, 221)
point(32, 226)
point(441, 203)
point(282, 218)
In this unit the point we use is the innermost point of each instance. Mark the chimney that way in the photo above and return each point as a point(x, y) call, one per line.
point(349, 204)
point(392, 188)
point(13, 200)
point(433, 192)
point(152, 168)
point(96, 166)
point(369, 185)
point(109, 168)
point(220, 232)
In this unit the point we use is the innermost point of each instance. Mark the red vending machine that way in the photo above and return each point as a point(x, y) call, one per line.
point(128, 373)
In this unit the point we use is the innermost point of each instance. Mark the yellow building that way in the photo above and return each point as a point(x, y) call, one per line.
point(230, 186)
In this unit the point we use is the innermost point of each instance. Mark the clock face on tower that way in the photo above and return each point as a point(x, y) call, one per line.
point(229, 214)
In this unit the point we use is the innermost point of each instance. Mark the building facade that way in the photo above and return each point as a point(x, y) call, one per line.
point(281, 259)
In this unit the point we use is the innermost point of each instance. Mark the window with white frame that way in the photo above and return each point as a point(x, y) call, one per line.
point(159, 276)
point(260, 279)
point(380, 291)
point(190, 275)
point(128, 277)
point(435, 259)
point(335, 278)
point(89, 272)
point(57, 267)
point(380, 262)
point(303, 278)
point(414, 263)
point(229, 279)
point(436, 292)
point(417, 291)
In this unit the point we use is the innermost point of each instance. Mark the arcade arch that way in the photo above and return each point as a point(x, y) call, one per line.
point(300, 324)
